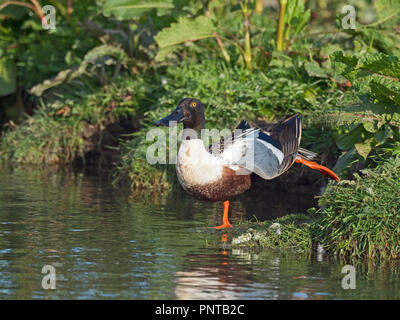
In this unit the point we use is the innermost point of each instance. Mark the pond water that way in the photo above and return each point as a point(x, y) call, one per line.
point(105, 243)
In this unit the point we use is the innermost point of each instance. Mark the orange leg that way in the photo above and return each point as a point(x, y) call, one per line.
point(316, 166)
point(225, 220)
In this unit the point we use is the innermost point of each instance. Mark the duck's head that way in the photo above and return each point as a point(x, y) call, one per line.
point(189, 111)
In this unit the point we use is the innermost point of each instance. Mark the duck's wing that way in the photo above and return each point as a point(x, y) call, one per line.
point(288, 133)
point(218, 148)
point(266, 153)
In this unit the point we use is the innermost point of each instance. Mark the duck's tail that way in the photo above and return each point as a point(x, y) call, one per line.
point(316, 166)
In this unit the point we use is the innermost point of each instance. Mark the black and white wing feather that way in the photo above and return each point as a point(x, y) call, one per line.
point(267, 154)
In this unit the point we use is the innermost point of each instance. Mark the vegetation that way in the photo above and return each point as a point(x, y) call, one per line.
point(358, 219)
point(89, 91)
point(291, 232)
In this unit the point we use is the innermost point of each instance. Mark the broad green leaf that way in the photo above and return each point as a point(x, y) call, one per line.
point(364, 148)
point(310, 95)
point(101, 55)
point(314, 70)
point(345, 160)
point(183, 31)
point(61, 77)
point(95, 55)
point(7, 76)
point(349, 139)
point(383, 134)
point(369, 126)
point(133, 9)
point(380, 63)
point(343, 64)
point(296, 17)
point(386, 90)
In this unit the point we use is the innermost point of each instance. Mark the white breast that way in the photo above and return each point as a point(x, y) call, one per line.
point(195, 165)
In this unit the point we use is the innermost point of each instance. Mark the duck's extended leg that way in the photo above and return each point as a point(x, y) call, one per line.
point(316, 166)
point(225, 220)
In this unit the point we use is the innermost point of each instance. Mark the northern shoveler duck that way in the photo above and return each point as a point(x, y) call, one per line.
point(223, 170)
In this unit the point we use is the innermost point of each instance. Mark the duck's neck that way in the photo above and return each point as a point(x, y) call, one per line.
point(192, 133)
point(197, 127)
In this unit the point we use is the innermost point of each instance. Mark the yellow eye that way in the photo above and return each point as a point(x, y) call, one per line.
point(194, 104)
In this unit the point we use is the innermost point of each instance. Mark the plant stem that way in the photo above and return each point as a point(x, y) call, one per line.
point(70, 8)
point(259, 6)
point(247, 44)
point(35, 7)
point(17, 3)
point(221, 46)
point(281, 25)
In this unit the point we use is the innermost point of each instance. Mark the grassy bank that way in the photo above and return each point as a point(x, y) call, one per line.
point(358, 218)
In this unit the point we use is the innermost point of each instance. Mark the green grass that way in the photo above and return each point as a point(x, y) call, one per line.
point(358, 219)
point(362, 217)
point(55, 133)
point(42, 140)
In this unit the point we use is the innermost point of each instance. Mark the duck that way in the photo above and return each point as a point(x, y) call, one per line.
point(222, 170)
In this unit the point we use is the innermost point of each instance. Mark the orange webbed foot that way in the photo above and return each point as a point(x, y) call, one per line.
point(223, 226)
point(225, 220)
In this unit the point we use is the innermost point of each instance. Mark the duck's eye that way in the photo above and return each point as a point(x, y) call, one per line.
point(194, 104)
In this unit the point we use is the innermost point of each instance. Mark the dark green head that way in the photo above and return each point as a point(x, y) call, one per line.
point(189, 111)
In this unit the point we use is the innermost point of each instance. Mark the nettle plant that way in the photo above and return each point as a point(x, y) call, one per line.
point(375, 122)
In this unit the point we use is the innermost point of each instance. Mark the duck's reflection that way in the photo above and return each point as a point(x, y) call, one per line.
point(224, 275)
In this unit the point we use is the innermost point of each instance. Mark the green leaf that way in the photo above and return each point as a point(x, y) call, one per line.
point(369, 126)
point(380, 63)
point(7, 76)
point(364, 148)
point(310, 95)
point(61, 77)
point(343, 65)
point(345, 160)
point(13, 11)
point(348, 140)
point(134, 9)
point(386, 90)
point(314, 70)
point(383, 134)
point(388, 11)
point(98, 56)
point(296, 16)
point(183, 31)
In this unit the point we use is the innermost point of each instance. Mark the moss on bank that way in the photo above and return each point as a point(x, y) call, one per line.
point(358, 219)
point(289, 232)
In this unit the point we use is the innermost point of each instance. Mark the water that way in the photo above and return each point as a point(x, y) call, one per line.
point(107, 244)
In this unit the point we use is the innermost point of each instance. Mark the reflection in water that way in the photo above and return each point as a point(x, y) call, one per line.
point(220, 276)
point(107, 244)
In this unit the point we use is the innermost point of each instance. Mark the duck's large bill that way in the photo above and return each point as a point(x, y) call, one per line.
point(177, 116)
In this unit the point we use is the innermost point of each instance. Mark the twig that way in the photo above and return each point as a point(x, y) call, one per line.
point(221, 46)
point(17, 3)
point(365, 117)
point(382, 20)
